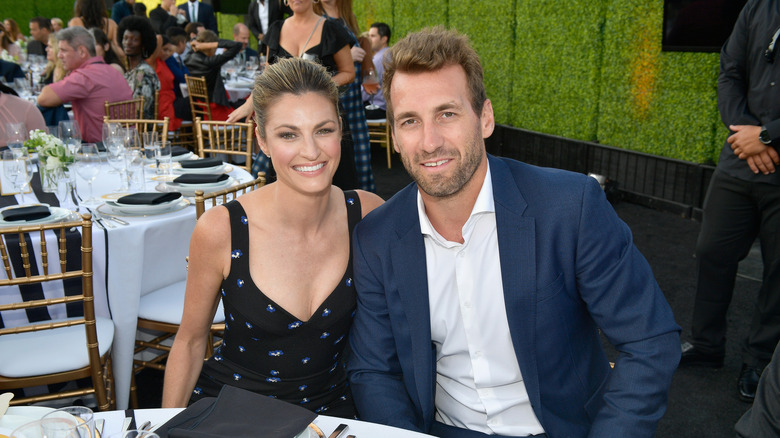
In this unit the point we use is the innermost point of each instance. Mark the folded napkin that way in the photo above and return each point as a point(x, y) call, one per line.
point(179, 150)
point(200, 178)
point(238, 413)
point(149, 198)
point(30, 213)
point(200, 164)
point(100, 146)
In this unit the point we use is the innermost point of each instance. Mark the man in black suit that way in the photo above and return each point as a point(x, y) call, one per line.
point(261, 14)
point(40, 28)
point(166, 15)
point(201, 12)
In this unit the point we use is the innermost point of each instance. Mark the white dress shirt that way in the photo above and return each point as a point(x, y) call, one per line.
point(478, 381)
point(193, 11)
point(262, 12)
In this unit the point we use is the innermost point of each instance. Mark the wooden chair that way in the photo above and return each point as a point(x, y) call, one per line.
point(161, 311)
point(144, 125)
point(156, 104)
point(223, 138)
point(379, 133)
point(199, 97)
point(126, 109)
point(75, 344)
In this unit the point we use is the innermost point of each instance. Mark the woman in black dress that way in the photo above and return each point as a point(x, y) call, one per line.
point(280, 260)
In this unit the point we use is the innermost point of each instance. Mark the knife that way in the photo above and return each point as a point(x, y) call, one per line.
point(342, 427)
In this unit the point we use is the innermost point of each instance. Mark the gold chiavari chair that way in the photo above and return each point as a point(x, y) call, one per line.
point(199, 97)
point(143, 125)
point(224, 138)
point(379, 133)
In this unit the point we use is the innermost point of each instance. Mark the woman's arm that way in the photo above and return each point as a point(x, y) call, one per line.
point(113, 38)
point(208, 266)
point(344, 66)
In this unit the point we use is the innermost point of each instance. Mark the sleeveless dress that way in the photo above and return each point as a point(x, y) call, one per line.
point(269, 351)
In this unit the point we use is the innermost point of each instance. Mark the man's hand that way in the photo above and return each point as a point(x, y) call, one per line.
point(745, 142)
point(765, 161)
point(357, 54)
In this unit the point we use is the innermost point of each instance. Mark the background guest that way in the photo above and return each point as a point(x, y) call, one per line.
point(203, 61)
point(139, 9)
point(13, 30)
point(120, 10)
point(352, 97)
point(200, 12)
point(10, 50)
point(177, 38)
point(54, 70)
point(89, 84)
point(241, 35)
point(14, 109)
point(92, 13)
point(104, 50)
point(139, 42)
point(57, 24)
point(763, 418)
point(10, 70)
point(40, 29)
point(379, 36)
point(166, 15)
point(261, 14)
point(167, 95)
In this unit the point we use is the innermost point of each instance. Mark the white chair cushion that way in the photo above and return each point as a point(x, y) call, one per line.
point(167, 305)
point(51, 351)
point(376, 120)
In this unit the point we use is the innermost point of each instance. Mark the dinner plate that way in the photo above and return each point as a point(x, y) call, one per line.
point(241, 83)
point(189, 189)
point(222, 168)
point(143, 208)
point(111, 208)
point(310, 432)
point(57, 215)
point(20, 415)
point(187, 156)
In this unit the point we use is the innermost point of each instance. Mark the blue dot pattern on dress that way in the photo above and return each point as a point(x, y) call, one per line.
point(324, 335)
point(275, 353)
point(241, 348)
point(351, 201)
point(239, 282)
point(349, 282)
point(326, 312)
point(274, 373)
point(305, 360)
point(270, 308)
point(236, 253)
point(294, 325)
point(244, 220)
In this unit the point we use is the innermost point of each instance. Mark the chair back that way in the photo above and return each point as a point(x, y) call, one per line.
point(199, 97)
point(18, 248)
point(126, 109)
point(144, 125)
point(379, 134)
point(156, 104)
point(225, 195)
point(223, 138)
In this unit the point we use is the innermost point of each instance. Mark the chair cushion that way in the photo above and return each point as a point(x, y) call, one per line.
point(51, 351)
point(167, 305)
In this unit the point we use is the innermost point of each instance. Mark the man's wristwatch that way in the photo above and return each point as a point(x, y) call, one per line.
point(764, 136)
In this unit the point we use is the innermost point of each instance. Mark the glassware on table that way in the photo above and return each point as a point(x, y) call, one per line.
point(115, 156)
point(15, 134)
point(135, 434)
point(371, 85)
point(14, 169)
point(88, 168)
point(51, 428)
point(131, 138)
point(165, 158)
point(136, 176)
point(22, 87)
point(84, 417)
point(70, 134)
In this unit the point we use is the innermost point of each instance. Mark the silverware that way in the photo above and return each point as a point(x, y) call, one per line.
point(117, 220)
point(342, 427)
point(96, 218)
point(147, 425)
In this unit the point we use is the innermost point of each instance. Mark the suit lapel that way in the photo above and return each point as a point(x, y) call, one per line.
point(408, 261)
point(517, 253)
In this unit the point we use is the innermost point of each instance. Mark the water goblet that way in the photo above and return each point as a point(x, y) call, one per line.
point(50, 428)
point(134, 160)
point(15, 134)
point(83, 416)
point(70, 134)
point(14, 169)
point(165, 158)
point(88, 168)
point(116, 159)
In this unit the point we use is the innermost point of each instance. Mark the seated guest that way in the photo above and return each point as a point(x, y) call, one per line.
point(14, 109)
point(167, 93)
point(288, 313)
point(241, 35)
point(483, 287)
point(13, 30)
point(9, 50)
point(40, 29)
point(57, 24)
point(54, 70)
point(166, 15)
point(139, 42)
point(204, 61)
point(177, 38)
point(379, 35)
point(104, 50)
point(192, 29)
point(10, 70)
point(88, 85)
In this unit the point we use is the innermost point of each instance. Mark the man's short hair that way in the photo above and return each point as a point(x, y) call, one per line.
point(382, 29)
point(192, 27)
point(42, 22)
point(207, 36)
point(76, 37)
point(176, 35)
point(429, 50)
point(237, 28)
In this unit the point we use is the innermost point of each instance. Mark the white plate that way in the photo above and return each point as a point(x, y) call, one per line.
point(57, 215)
point(144, 210)
point(308, 433)
point(187, 156)
point(222, 168)
point(208, 186)
point(189, 190)
point(20, 415)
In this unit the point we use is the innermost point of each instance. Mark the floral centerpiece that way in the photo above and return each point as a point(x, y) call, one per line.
point(53, 157)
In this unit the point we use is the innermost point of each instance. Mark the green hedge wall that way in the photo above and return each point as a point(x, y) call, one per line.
point(584, 69)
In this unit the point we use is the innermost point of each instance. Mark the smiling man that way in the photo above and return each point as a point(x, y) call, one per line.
point(90, 83)
point(483, 285)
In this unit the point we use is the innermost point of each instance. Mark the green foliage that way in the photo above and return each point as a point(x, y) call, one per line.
point(225, 23)
point(372, 11)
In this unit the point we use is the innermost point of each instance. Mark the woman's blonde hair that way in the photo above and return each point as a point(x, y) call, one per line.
point(294, 76)
point(54, 68)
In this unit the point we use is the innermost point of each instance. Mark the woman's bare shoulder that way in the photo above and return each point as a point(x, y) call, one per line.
point(369, 201)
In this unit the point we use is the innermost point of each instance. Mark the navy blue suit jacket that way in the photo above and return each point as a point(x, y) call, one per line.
point(178, 73)
point(569, 268)
point(205, 15)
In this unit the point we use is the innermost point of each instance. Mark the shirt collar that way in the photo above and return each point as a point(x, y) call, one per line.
point(483, 204)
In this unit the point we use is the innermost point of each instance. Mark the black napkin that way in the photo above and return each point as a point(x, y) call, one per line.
point(238, 413)
point(200, 178)
point(179, 150)
point(200, 164)
point(100, 146)
point(26, 213)
point(149, 198)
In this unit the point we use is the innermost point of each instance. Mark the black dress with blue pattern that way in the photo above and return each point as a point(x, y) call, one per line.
point(269, 351)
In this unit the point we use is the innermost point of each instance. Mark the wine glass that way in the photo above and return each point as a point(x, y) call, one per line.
point(83, 416)
point(15, 134)
point(88, 168)
point(371, 85)
point(51, 428)
point(116, 159)
point(70, 134)
point(14, 169)
point(112, 132)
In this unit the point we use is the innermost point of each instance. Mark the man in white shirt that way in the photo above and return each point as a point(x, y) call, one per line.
point(379, 35)
point(482, 286)
point(261, 14)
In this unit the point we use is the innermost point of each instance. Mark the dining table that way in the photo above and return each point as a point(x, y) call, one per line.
point(134, 252)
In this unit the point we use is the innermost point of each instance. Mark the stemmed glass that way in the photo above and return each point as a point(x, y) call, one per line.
point(112, 133)
point(88, 168)
point(116, 159)
point(14, 169)
point(70, 134)
point(15, 134)
point(83, 417)
point(371, 85)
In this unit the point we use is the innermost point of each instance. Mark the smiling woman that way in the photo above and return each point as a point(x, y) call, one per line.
point(289, 310)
